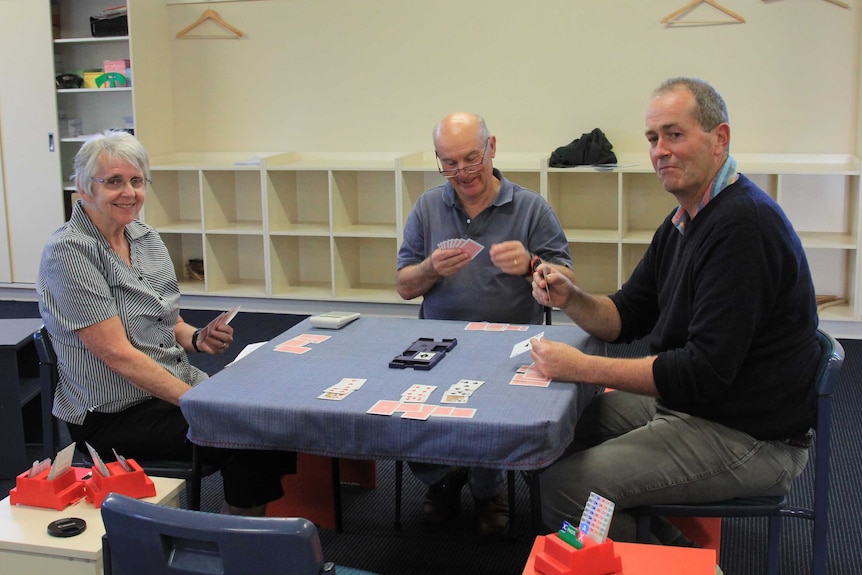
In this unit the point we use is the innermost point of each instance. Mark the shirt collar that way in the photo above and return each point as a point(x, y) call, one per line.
point(726, 175)
point(504, 194)
point(82, 221)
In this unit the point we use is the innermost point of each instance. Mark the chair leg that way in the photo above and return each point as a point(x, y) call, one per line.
point(532, 480)
point(643, 527)
point(399, 478)
point(510, 479)
point(193, 483)
point(821, 527)
point(773, 549)
point(336, 495)
point(107, 566)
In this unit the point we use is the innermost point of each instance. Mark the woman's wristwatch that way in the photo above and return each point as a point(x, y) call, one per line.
point(195, 336)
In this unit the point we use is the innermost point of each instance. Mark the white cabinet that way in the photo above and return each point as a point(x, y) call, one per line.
point(37, 149)
point(82, 111)
point(30, 190)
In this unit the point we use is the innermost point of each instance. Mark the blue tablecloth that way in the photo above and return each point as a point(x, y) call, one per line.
point(268, 400)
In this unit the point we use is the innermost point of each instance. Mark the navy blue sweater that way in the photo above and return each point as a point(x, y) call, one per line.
point(729, 310)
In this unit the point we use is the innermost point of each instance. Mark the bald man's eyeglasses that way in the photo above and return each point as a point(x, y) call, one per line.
point(451, 172)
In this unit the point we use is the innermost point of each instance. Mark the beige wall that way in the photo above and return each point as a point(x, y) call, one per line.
point(375, 75)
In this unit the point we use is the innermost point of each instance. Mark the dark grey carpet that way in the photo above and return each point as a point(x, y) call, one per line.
point(370, 542)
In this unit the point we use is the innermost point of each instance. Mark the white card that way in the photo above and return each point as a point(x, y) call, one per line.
point(524, 346)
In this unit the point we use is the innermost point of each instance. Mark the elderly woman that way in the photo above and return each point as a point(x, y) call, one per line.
point(109, 298)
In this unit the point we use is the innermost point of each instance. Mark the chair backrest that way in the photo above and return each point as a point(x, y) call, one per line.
point(148, 539)
point(831, 360)
point(49, 378)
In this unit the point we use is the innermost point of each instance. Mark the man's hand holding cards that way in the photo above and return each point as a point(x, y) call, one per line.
point(472, 247)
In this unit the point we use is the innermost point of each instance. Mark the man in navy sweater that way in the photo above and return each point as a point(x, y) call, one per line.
point(722, 405)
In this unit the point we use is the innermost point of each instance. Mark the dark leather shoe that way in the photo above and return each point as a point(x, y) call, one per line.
point(492, 516)
point(443, 501)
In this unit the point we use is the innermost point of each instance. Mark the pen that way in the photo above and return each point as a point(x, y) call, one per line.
point(547, 289)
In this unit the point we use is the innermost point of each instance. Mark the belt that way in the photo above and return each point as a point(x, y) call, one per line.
point(803, 441)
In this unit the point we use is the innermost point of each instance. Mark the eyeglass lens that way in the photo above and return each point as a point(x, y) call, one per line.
point(469, 168)
point(117, 183)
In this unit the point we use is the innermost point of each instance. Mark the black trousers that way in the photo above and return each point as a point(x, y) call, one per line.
point(156, 429)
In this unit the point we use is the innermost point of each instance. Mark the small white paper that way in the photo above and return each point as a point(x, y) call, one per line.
point(247, 350)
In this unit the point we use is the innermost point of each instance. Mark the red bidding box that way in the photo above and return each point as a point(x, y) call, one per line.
point(134, 483)
point(560, 558)
point(58, 493)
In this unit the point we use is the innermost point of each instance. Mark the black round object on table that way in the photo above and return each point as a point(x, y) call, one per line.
point(67, 527)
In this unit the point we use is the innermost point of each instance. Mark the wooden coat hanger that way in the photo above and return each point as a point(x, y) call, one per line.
point(839, 3)
point(210, 15)
point(669, 19)
point(836, 2)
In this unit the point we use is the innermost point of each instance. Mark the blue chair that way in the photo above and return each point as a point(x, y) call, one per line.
point(147, 539)
point(775, 508)
point(192, 471)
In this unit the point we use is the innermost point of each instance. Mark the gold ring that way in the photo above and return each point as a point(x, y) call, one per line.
point(223, 345)
point(516, 262)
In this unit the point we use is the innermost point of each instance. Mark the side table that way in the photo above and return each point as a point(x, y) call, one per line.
point(19, 385)
point(26, 547)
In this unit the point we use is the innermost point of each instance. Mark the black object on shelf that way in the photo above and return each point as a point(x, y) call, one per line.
point(117, 25)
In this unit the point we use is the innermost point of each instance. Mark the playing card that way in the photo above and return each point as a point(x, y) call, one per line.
point(519, 379)
point(473, 248)
point(423, 413)
point(333, 395)
point(417, 393)
point(225, 317)
point(454, 398)
point(311, 338)
point(464, 387)
point(384, 407)
point(528, 375)
point(524, 346)
point(292, 348)
point(475, 326)
point(342, 389)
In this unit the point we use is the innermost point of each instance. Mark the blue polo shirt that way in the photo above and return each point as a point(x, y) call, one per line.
point(481, 291)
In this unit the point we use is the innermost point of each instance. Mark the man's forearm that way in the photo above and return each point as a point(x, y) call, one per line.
point(597, 315)
point(413, 281)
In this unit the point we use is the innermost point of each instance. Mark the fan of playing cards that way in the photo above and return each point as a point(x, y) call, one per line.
point(470, 246)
